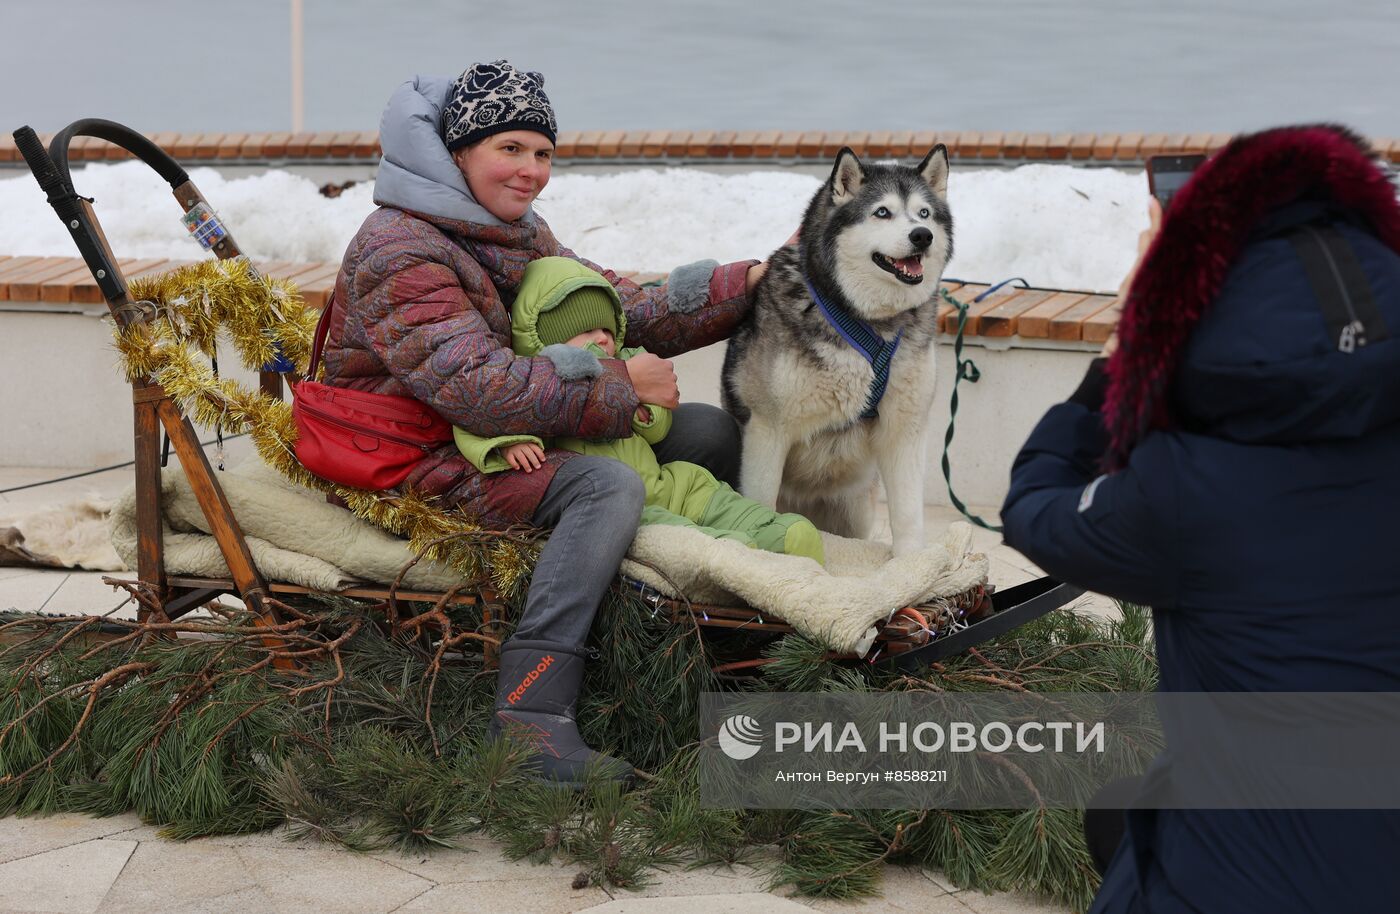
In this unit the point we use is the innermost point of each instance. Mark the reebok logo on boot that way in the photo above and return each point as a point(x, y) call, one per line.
point(529, 680)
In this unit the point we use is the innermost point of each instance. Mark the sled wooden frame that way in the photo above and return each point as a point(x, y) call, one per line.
point(901, 639)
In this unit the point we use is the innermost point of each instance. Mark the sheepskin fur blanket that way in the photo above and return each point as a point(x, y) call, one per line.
point(292, 533)
point(837, 605)
point(295, 536)
point(70, 535)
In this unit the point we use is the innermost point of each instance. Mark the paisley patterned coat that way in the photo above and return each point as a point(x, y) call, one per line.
point(423, 310)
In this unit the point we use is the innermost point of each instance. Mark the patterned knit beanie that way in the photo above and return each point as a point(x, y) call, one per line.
point(492, 98)
point(583, 309)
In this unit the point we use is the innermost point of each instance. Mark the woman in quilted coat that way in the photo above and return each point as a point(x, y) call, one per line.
point(423, 310)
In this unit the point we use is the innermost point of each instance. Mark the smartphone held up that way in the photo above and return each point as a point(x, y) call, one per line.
point(1167, 173)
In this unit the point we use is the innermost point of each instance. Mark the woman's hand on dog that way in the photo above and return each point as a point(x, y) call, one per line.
point(654, 380)
point(1154, 225)
point(756, 271)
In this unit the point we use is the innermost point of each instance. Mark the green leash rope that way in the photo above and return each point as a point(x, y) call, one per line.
point(966, 370)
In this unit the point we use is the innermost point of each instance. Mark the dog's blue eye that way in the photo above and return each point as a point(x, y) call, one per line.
point(882, 213)
point(923, 213)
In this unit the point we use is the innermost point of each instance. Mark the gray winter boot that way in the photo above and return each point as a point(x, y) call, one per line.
point(535, 696)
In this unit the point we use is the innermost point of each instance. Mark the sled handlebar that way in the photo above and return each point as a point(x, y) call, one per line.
point(119, 135)
point(50, 168)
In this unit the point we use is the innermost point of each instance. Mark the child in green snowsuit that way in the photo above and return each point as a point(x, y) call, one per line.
point(562, 301)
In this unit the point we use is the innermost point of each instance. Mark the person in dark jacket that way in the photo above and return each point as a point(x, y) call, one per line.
point(1235, 465)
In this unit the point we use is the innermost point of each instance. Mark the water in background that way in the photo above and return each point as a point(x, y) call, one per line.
point(1031, 65)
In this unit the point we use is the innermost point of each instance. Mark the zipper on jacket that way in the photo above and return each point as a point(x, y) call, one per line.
point(334, 420)
point(1354, 333)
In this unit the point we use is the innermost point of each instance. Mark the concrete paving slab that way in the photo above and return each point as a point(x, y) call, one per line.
point(1094, 604)
point(29, 592)
point(940, 880)
point(1011, 557)
point(903, 890)
point(246, 901)
point(84, 593)
point(139, 831)
point(106, 485)
point(747, 903)
point(739, 879)
point(1003, 574)
point(1009, 903)
point(938, 904)
point(175, 876)
point(478, 860)
point(69, 880)
point(23, 476)
point(25, 837)
point(275, 839)
point(324, 879)
point(17, 571)
point(537, 896)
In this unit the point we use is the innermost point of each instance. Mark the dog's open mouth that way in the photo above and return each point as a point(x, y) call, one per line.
point(908, 270)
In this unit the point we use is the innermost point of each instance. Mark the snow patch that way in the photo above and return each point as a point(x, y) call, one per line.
point(1054, 225)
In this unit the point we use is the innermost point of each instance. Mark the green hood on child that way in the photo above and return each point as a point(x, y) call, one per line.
point(537, 321)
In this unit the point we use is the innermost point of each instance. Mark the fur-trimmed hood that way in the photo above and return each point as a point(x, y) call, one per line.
point(1221, 331)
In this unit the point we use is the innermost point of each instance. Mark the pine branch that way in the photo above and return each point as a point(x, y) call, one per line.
point(378, 740)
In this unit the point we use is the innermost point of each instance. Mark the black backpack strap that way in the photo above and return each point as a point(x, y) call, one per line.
point(1348, 306)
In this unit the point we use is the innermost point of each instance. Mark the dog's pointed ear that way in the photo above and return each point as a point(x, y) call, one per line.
point(934, 169)
point(847, 176)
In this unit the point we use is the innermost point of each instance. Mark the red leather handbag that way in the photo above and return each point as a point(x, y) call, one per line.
point(369, 441)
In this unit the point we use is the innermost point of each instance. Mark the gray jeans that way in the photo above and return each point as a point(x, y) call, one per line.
point(594, 504)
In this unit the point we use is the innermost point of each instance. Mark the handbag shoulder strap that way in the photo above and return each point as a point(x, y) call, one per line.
point(323, 329)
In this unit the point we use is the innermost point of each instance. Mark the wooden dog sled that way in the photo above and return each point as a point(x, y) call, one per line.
point(909, 638)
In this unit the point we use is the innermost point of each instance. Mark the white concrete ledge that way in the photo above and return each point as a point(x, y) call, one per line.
point(65, 404)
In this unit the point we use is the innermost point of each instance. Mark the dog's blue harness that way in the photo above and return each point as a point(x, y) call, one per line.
point(873, 347)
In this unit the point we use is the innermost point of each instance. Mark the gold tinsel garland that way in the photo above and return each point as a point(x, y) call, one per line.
point(264, 317)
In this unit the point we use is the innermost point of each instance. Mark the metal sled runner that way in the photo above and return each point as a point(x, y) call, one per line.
point(910, 637)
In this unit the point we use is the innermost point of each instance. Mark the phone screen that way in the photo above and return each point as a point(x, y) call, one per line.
point(1167, 173)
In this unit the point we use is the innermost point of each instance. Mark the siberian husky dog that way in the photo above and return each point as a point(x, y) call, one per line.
point(831, 376)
